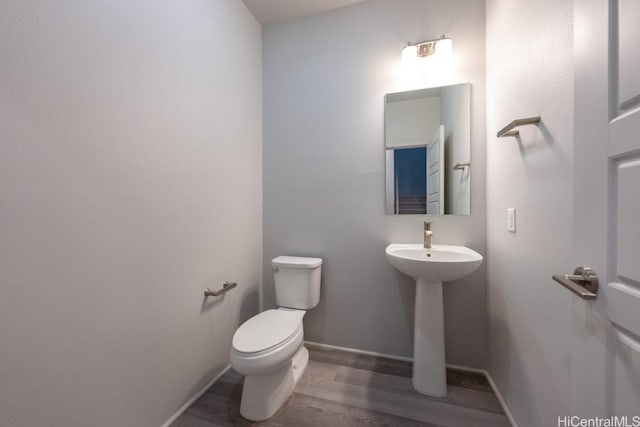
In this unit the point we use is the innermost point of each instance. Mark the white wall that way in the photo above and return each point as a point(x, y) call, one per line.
point(529, 72)
point(325, 78)
point(130, 180)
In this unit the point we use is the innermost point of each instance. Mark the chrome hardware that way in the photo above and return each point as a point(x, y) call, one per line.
point(226, 287)
point(460, 166)
point(275, 269)
point(427, 235)
point(583, 282)
point(507, 130)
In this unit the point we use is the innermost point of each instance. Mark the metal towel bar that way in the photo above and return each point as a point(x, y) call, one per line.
point(508, 129)
point(226, 287)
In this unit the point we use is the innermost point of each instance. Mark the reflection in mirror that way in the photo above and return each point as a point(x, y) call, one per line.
point(428, 151)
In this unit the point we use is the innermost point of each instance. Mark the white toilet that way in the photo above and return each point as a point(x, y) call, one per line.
point(267, 349)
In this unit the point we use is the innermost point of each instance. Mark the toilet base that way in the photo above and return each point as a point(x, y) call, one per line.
point(263, 395)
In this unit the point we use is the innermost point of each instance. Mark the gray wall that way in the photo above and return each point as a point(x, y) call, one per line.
point(130, 180)
point(325, 78)
point(530, 71)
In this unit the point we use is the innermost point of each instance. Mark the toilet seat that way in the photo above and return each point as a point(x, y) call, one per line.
point(267, 341)
point(267, 330)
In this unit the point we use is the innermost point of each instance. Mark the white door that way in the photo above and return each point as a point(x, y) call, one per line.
point(435, 173)
point(605, 361)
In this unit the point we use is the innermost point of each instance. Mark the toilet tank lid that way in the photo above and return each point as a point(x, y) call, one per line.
point(296, 262)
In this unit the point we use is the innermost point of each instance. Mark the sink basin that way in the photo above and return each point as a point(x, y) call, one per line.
point(441, 263)
point(431, 267)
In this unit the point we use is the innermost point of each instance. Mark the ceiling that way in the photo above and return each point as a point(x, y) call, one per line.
point(270, 11)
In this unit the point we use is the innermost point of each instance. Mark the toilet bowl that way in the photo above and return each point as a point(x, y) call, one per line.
point(268, 348)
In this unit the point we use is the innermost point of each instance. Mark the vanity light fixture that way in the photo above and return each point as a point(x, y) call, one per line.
point(427, 63)
point(427, 48)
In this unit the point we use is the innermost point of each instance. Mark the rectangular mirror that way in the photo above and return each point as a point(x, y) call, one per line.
point(428, 151)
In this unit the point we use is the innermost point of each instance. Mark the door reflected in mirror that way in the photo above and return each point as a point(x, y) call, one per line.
point(428, 151)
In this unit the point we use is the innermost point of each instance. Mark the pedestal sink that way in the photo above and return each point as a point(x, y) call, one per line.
point(431, 267)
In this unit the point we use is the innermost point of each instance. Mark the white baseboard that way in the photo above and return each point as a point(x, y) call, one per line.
point(353, 350)
point(503, 403)
point(492, 383)
point(505, 408)
point(194, 398)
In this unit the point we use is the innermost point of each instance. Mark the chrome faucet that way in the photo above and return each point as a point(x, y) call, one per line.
point(427, 235)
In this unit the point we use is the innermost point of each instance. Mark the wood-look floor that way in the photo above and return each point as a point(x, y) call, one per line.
point(347, 389)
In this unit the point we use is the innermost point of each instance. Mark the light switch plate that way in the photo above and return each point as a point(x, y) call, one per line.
point(511, 219)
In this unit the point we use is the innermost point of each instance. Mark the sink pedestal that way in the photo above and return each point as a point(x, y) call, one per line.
point(429, 369)
point(430, 267)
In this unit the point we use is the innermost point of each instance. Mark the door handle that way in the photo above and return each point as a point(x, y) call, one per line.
point(583, 282)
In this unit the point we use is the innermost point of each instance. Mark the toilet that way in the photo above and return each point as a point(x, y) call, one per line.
point(268, 348)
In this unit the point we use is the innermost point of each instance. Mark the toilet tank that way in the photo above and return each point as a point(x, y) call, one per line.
point(297, 281)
